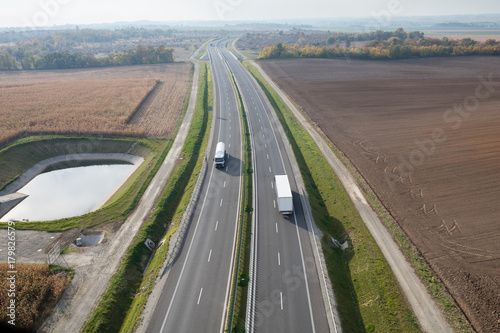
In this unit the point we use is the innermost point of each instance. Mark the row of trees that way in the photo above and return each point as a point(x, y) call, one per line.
point(378, 35)
point(82, 35)
point(23, 45)
point(63, 60)
point(391, 49)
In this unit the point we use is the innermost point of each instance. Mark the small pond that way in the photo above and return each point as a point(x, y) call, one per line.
point(68, 192)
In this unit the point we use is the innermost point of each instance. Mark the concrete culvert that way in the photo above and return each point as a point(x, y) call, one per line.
point(89, 240)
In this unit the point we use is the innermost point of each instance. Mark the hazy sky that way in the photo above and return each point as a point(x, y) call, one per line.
point(56, 12)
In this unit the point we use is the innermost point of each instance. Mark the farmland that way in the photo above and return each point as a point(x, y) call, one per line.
point(38, 288)
point(111, 101)
point(423, 134)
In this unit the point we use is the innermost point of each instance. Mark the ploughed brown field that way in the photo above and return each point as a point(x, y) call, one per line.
point(425, 135)
point(133, 100)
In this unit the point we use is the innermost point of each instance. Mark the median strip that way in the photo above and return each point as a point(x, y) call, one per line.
point(237, 309)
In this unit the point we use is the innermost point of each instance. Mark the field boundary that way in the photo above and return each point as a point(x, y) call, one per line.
point(145, 101)
point(428, 314)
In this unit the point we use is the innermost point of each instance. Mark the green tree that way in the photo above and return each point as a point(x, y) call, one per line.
point(400, 33)
point(7, 62)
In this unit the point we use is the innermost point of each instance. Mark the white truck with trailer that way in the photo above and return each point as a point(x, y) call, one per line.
point(220, 155)
point(283, 194)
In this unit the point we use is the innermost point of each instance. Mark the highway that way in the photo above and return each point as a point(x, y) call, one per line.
point(196, 293)
point(285, 287)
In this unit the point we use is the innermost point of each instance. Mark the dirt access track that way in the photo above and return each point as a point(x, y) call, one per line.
point(424, 134)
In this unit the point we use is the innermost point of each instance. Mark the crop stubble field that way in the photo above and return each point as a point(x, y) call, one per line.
point(424, 133)
point(135, 100)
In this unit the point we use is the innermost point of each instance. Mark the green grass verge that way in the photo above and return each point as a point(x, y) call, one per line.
point(126, 295)
point(367, 292)
point(24, 153)
point(242, 261)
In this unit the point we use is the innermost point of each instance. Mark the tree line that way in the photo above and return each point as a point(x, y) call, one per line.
point(64, 60)
point(51, 37)
point(23, 46)
point(384, 45)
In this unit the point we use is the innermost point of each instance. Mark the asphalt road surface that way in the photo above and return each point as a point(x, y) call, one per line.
point(196, 293)
point(286, 294)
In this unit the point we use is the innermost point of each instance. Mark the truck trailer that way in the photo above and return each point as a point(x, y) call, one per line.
point(283, 194)
point(220, 155)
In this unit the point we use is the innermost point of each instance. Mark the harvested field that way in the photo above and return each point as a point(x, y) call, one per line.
point(37, 290)
point(135, 100)
point(479, 35)
point(424, 134)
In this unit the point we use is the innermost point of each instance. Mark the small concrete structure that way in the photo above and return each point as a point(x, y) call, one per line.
point(89, 240)
point(9, 201)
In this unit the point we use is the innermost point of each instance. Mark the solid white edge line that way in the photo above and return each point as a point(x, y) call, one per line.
point(305, 273)
point(317, 251)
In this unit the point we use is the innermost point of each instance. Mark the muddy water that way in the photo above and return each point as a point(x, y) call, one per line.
point(67, 192)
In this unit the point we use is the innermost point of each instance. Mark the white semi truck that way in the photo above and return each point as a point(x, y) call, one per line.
point(220, 155)
point(283, 194)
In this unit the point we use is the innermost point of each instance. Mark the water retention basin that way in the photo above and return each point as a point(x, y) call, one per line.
point(70, 191)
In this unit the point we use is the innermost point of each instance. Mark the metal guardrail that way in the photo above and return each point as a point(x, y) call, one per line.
point(237, 268)
point(187, 215)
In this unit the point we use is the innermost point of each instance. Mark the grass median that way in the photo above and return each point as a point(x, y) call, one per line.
point(237, 311)
point(368, 294)
point(125, 297)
